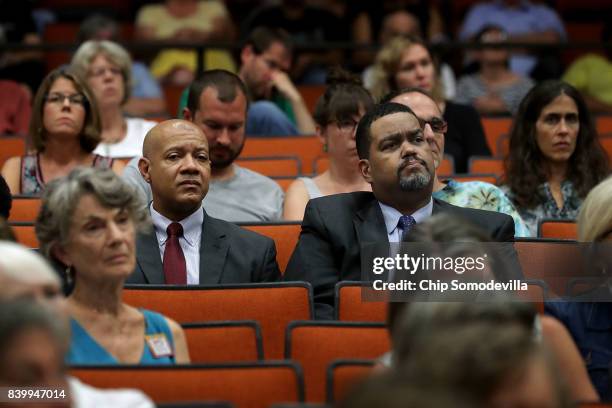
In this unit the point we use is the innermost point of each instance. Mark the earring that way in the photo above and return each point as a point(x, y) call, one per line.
point(68, 275)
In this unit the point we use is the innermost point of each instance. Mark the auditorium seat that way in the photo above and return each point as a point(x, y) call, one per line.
point(224, 342)
point(306, 148)
point(24, 208)
point(349, 305)
point(252, 385)
point(344, 375)
point(495, 128)
point(11, 146)
point(285, 236)
point(487, 178)
point(272, 305)
point(278, 166)
point(316, 344)
point(486, 165)
point(25, 233)
point(558, 229)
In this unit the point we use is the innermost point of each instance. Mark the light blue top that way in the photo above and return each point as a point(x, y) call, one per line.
point(392, 216)
point(85, 350)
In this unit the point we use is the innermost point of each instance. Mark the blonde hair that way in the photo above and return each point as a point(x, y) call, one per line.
point(595, 218)
point(387, 65)
point(115, 53)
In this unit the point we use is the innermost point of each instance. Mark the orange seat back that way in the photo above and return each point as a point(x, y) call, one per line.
point(494, 129)
point(25, 234)
point(447, 167)
point(351, 307)
point(559, 229)
point(306, 148)
point(272, 305)
point(224, 342)
point(316, 344)
point(344, 375)
point(11, 146)
point(285, 236)
point(486, 165)
point(282, 166)
point(487, 178)
point(24, 209)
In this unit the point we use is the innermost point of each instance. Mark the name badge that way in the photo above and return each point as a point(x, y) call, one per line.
point(159, 345)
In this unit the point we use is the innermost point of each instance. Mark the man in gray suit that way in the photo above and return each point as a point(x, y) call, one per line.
point(187, 246)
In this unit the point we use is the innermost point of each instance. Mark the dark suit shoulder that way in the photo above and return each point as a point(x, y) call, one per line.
point(344, 201)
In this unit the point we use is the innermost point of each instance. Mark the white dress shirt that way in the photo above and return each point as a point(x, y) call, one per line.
point(392, 216)
point(190, 241)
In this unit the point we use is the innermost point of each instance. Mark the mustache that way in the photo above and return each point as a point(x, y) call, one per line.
point(409, 160)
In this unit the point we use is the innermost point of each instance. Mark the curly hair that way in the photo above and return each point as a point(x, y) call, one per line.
point(525, 167)
point(387, 65)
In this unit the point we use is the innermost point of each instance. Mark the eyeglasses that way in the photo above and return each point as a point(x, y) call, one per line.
point(98, 72)
point(346, 126)
point(437, 125)
point(58, 99)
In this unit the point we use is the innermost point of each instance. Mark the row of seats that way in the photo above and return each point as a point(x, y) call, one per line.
point(242, 385)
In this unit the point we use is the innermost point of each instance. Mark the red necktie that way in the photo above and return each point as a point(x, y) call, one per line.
point(175, 269)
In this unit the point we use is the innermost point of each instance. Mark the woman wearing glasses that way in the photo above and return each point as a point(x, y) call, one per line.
point(405, 63)
point(336, 115)
point(65, 130)
point(107, 69)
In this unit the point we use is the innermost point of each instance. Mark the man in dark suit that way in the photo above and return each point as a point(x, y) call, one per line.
point(396, 159)
point(187, 246)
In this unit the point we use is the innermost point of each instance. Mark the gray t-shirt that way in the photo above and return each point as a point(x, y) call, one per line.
point(246, 197)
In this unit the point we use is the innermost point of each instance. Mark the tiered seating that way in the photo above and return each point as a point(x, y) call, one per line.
point(11, 146)
point(253, 385)
point(24, 209)
point(495, 128)
point(273, 305)
point(306, 148)
point(278, 166)
point(486, 165)
point(316, 344)
point(351, 307)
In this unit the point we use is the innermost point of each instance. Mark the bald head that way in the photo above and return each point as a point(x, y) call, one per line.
point(176, 164)
point(168, 129)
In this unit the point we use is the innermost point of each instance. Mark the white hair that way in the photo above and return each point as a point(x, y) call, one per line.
point(23, 264)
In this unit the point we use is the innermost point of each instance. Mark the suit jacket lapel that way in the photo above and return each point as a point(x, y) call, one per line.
point(149, 258)
point(370, 224)
point(213, 251)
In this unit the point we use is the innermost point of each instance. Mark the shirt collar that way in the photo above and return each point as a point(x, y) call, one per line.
point(392, 216)
point(192, 226)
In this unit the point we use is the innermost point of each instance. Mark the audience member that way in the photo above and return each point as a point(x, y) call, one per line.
point(65, 130)
point(555, 157)
point(592, 75)
point(471, 194)
point(278, 106)
point(87, 224)
point(146, 97)
point(379, 22)
point(525, 22)
point(42, 285)
point(508, 369)
point(15, 108)
point(494, 88)
point(396, 160)
point(189, 21)
point(307, 25)
point(408, 63)
point(218, 105)
point(589, 321)
point(107, 69)
point(337, 113)
point(195, 248)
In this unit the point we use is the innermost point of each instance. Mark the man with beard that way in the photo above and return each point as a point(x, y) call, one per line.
point(218, 105)
point(396, 159)
point(186, 245)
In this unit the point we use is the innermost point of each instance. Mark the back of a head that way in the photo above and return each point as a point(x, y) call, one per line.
point(343, 98)
point(595, 217)
point(21, 264)
point(98, 27)
point(227, 84)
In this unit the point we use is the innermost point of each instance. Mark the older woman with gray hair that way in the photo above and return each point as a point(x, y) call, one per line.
point(87, 224)
point(107, 69)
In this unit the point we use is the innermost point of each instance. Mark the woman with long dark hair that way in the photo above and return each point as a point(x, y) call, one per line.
point(555, 158)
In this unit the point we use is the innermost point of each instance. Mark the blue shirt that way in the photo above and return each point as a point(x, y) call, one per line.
point(143, 84)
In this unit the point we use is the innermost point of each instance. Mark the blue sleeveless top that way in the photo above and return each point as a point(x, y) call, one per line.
point(85, 350)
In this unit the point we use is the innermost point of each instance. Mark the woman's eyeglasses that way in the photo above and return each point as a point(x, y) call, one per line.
point(58, 99)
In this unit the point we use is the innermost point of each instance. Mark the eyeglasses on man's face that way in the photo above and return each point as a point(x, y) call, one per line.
point(438, 125)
